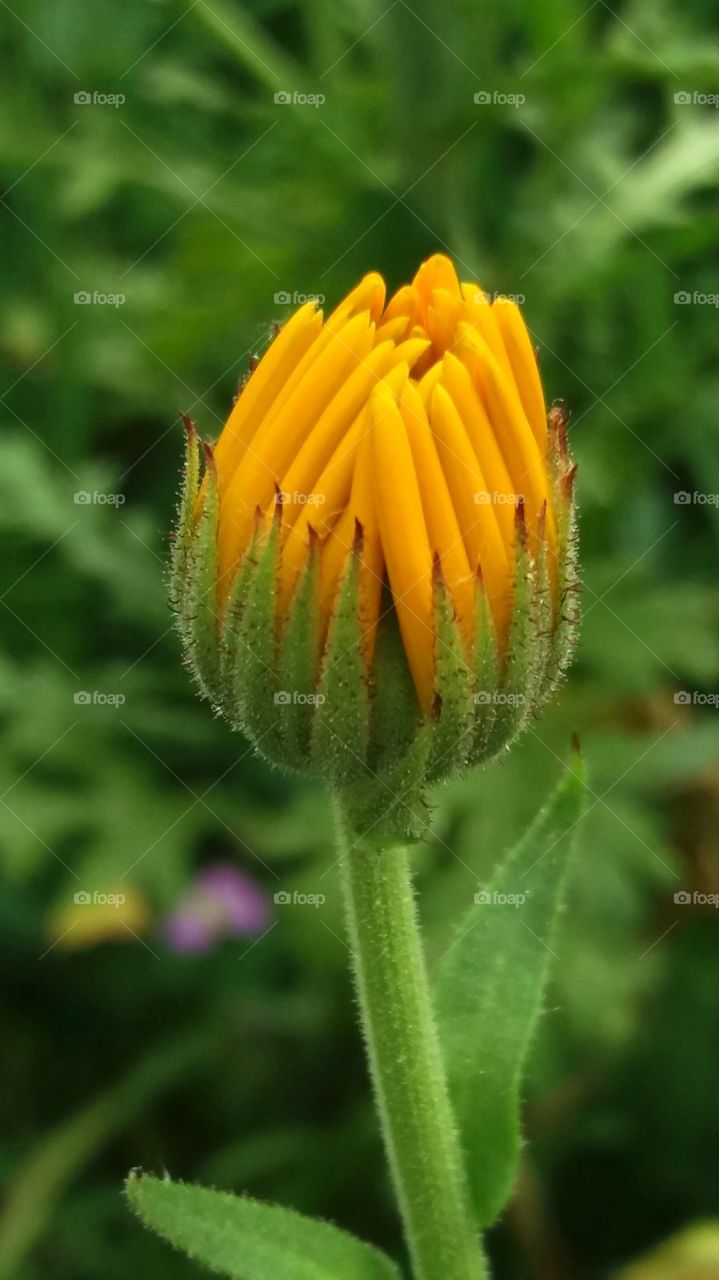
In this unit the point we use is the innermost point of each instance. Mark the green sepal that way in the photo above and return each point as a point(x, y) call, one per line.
point(511, 697)
point(256, 677)
point(184, 523)
point(566, 606)
point(200, 598)
point(299, 659)
point(340, 735)
point(542, 620)
point(395, 716)
point(233, 614)
point(566, 629)
point(454, 706)
point(486, 675)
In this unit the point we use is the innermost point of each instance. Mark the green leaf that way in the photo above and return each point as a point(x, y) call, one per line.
point(490, 989)
point(246, 1240)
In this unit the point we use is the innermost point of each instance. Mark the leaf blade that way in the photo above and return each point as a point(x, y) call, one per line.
point(489, 991)
point(245, 1239)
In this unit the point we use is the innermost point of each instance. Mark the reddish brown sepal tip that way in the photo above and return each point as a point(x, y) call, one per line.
point(190, 427)
point(520, 522)
point(358, 539)
point(558, 423)
point(209, 454)
point(279, 504)
point(437, 575)
point(567, 482)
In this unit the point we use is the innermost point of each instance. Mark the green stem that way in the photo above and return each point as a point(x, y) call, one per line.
point(419, 1129)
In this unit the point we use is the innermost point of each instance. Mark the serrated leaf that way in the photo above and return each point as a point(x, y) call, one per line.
point(490, 988)
point(247, 1240)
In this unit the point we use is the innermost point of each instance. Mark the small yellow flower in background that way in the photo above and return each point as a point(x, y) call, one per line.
point(388, 499)
point(109, 915)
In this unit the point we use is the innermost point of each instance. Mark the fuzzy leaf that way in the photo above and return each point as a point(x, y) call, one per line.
point(490, 988)
point(247, 1240)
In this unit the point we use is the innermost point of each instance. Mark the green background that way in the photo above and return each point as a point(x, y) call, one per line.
point(199, 198)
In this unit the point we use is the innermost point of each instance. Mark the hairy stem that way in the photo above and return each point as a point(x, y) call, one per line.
point(418, 1126)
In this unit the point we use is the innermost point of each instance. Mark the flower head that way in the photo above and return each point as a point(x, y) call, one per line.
point(382, 540)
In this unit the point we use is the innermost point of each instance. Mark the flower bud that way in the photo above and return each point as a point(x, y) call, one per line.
point(374, 570)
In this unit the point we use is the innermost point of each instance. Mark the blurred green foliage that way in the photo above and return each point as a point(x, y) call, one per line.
point(199, 198)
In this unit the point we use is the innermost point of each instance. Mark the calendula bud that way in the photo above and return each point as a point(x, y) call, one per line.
point(374, 571)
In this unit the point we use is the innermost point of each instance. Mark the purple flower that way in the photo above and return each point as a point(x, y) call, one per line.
point(222, 902)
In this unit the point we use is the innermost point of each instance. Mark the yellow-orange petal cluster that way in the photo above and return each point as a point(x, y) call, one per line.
point(422, 418)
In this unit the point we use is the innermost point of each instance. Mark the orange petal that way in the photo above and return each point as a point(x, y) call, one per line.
point(520, 351)
point(443, 531)
point(466, 483)
point(405, 545)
